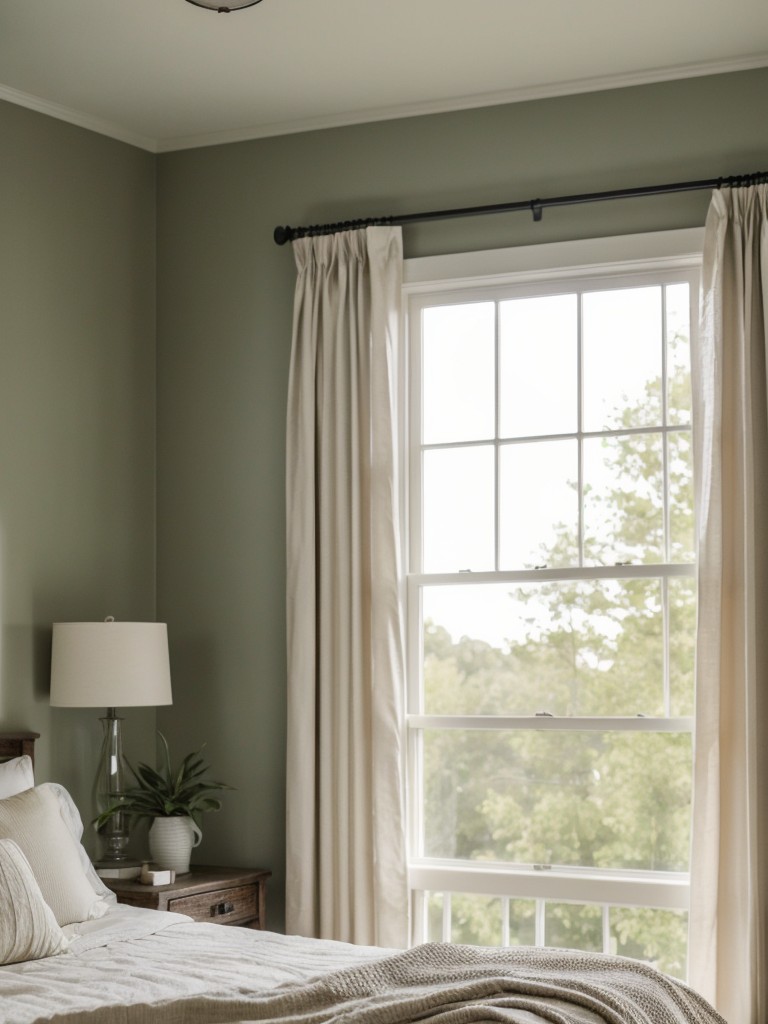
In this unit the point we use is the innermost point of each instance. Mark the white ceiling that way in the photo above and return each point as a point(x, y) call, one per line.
point(164, 74)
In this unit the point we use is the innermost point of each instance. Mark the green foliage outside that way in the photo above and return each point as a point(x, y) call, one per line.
point(592, 798)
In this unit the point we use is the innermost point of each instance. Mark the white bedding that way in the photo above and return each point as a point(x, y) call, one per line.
point(138, 966)
point(134, 957)
point(125, 965)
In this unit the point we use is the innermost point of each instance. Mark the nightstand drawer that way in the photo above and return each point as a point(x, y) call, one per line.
point(221, 906)
point(222, 895)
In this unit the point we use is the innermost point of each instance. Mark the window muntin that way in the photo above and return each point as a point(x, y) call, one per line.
point(587, 464)
point(605, 400)
point(493, 920)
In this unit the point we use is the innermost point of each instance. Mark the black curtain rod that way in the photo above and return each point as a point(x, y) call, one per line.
point(536, 206)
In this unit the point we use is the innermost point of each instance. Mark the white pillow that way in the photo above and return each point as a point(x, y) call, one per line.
point(28, 929)
point(32, 819)
point(74, 823)
point(16, 775)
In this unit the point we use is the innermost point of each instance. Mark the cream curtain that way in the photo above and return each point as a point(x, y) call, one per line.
point(345, 821)
point(729, 868)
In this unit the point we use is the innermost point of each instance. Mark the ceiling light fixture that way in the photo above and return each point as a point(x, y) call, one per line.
point(224, 8)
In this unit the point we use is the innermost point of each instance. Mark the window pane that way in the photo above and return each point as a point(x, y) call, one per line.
point(588, 799)
point(522, 923)
point(678, 354)
point(574, 926)
point(538, 388)
point(568, 648)
point(458, 509)
point(476, 920)
point(459, 372)
point(682, 636)
point(435, 917)
point(623, 509)
point(539, 519)
point(657, 936)
point(622, 358)
point(681, 525)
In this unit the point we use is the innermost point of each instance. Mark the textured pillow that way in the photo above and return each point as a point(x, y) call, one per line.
point(74, 823)
point(33, 820)
point(16, 775)
point(28, 929)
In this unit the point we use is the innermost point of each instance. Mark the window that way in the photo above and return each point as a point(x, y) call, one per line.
point(551, 602)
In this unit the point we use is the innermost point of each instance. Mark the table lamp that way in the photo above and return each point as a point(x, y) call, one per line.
point(110, 664)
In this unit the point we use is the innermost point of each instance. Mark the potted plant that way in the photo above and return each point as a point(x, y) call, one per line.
point(174, 800)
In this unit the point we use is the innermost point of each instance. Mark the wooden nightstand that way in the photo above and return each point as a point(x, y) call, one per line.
point(233, 896)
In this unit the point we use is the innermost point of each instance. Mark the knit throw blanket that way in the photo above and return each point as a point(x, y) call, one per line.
point(451, 984)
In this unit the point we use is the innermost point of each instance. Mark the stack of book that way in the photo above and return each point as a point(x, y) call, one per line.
point(123, 871)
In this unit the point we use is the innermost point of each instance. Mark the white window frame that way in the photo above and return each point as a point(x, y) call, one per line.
point(472, 277)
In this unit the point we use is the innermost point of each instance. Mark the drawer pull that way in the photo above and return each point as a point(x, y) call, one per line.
point(222, 908)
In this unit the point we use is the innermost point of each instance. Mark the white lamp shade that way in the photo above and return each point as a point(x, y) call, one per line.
point(110, 664)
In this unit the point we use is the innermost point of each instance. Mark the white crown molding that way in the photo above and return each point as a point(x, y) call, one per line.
point(521, 95)
point(76, 117)
point(570, 88)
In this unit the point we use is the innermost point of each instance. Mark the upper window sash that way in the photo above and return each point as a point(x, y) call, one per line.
point(582, 284)
point(535, 269)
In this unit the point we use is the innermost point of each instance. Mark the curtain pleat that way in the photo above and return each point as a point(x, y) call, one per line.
point(729, 861)
point(345, 820)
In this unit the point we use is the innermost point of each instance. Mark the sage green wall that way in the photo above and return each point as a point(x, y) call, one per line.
point(77, 389)
point(77, 415)
point(224, 324)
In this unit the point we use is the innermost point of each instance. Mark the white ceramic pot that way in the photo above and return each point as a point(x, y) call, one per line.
point(171, 841)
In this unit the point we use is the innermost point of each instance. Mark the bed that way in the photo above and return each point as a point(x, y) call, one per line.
point(70, 954)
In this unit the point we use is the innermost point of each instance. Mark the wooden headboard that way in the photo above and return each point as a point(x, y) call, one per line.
point(14, 744)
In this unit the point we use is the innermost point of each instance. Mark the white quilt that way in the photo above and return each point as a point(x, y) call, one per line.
point(135, 958)
point(145, 967)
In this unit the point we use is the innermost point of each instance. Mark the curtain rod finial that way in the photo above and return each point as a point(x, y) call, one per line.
point(282, 235)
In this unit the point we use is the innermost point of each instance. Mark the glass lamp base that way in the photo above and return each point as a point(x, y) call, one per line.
point(109, 789)
point(115, 850)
